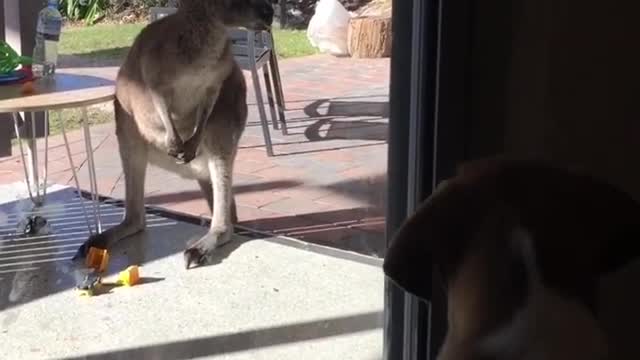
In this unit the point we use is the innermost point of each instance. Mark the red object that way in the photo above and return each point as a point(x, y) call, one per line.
point(26, 71)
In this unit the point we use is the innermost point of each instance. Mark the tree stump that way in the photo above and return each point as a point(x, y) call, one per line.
point(369, 37)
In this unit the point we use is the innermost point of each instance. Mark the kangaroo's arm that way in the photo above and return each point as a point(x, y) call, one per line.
point(157, 81)
point(206, 105)
point(169, 76)
point(202, 114)
point(172, 139)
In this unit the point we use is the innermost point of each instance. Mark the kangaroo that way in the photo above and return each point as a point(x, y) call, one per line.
point(180, 80)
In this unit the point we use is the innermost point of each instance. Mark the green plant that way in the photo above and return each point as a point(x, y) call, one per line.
point(135, 4)
point(88, 11)
point(9, 58)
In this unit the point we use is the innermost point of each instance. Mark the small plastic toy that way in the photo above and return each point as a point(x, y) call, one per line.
point(96, 262)
point(97, 259)
point(130, 276)
point(91, 283)
point(27, 88)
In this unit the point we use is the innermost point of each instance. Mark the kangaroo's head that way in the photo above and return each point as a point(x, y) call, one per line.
point(252, 14)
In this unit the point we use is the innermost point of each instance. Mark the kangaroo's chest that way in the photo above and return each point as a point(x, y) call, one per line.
point(191, 87)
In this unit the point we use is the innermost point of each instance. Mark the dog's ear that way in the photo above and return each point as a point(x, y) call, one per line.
point(619, 215)
point(577, 220)
point(437, 234)
point(582, 227)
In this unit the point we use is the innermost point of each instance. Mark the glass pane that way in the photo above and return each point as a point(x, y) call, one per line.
point(301, 276)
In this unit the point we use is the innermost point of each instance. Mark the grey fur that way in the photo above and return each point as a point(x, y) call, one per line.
point(180, 81)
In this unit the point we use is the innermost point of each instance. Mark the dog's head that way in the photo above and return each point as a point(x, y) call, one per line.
point(520, 247)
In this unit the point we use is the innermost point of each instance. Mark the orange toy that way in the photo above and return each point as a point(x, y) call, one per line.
point(130, 276)
point(27, 88)
point(97, 259)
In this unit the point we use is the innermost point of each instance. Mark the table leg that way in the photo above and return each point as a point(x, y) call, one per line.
point(32, 161)
point(74, 172)
point(31, 165)
point(46, 154)
point(92, 169)
point(29, 162)
point(32, 151)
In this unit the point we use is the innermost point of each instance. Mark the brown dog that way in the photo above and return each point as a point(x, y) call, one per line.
point(521, 247)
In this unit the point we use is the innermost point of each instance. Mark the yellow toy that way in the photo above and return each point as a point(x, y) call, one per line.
point(92, 283)
point(97, 261)
point(130, 276)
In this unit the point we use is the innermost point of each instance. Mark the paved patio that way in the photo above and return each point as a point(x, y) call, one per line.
point(265, 298)
point(326, 183)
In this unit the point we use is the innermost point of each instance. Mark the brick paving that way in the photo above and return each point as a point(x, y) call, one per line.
point(326, 183)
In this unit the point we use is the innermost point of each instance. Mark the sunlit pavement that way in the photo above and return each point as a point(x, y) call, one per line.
point(264, 298)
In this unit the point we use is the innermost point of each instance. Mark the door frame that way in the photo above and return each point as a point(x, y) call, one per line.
point(428, 137)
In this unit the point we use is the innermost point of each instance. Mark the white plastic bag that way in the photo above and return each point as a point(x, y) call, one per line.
point(328, 28)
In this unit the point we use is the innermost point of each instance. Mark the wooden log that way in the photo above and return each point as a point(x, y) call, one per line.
point(369, 37)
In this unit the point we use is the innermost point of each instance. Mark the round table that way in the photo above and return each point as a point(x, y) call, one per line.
point(66, 89)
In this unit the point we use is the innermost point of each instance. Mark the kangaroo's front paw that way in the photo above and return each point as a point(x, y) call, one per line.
point(188, 151)
point(175, 147)
point(199, 252)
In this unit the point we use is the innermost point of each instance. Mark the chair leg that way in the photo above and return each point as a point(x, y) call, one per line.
point(263, 115)
point(275, 70)
point(272, 106)
point(277, 84)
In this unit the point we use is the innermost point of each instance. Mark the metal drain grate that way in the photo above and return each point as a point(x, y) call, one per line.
point(67, 230)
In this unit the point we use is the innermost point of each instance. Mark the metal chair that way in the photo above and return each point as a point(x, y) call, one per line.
point(156, 13)
point(254, 50)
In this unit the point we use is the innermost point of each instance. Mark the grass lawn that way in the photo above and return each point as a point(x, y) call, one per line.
point(108, 43)
point(111, 41)
point(73, 120)
point(100, 41)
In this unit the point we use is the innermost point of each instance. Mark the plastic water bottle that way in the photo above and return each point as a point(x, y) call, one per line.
point(45, 52)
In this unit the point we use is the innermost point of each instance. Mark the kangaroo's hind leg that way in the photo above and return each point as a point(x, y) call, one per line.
point(133, 154)
point(207, 192)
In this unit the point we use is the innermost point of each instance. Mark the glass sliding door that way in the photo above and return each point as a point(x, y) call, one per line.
point(410, 168)
point(429, 81)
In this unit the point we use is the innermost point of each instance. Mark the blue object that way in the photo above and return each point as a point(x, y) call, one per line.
point(11, 77)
